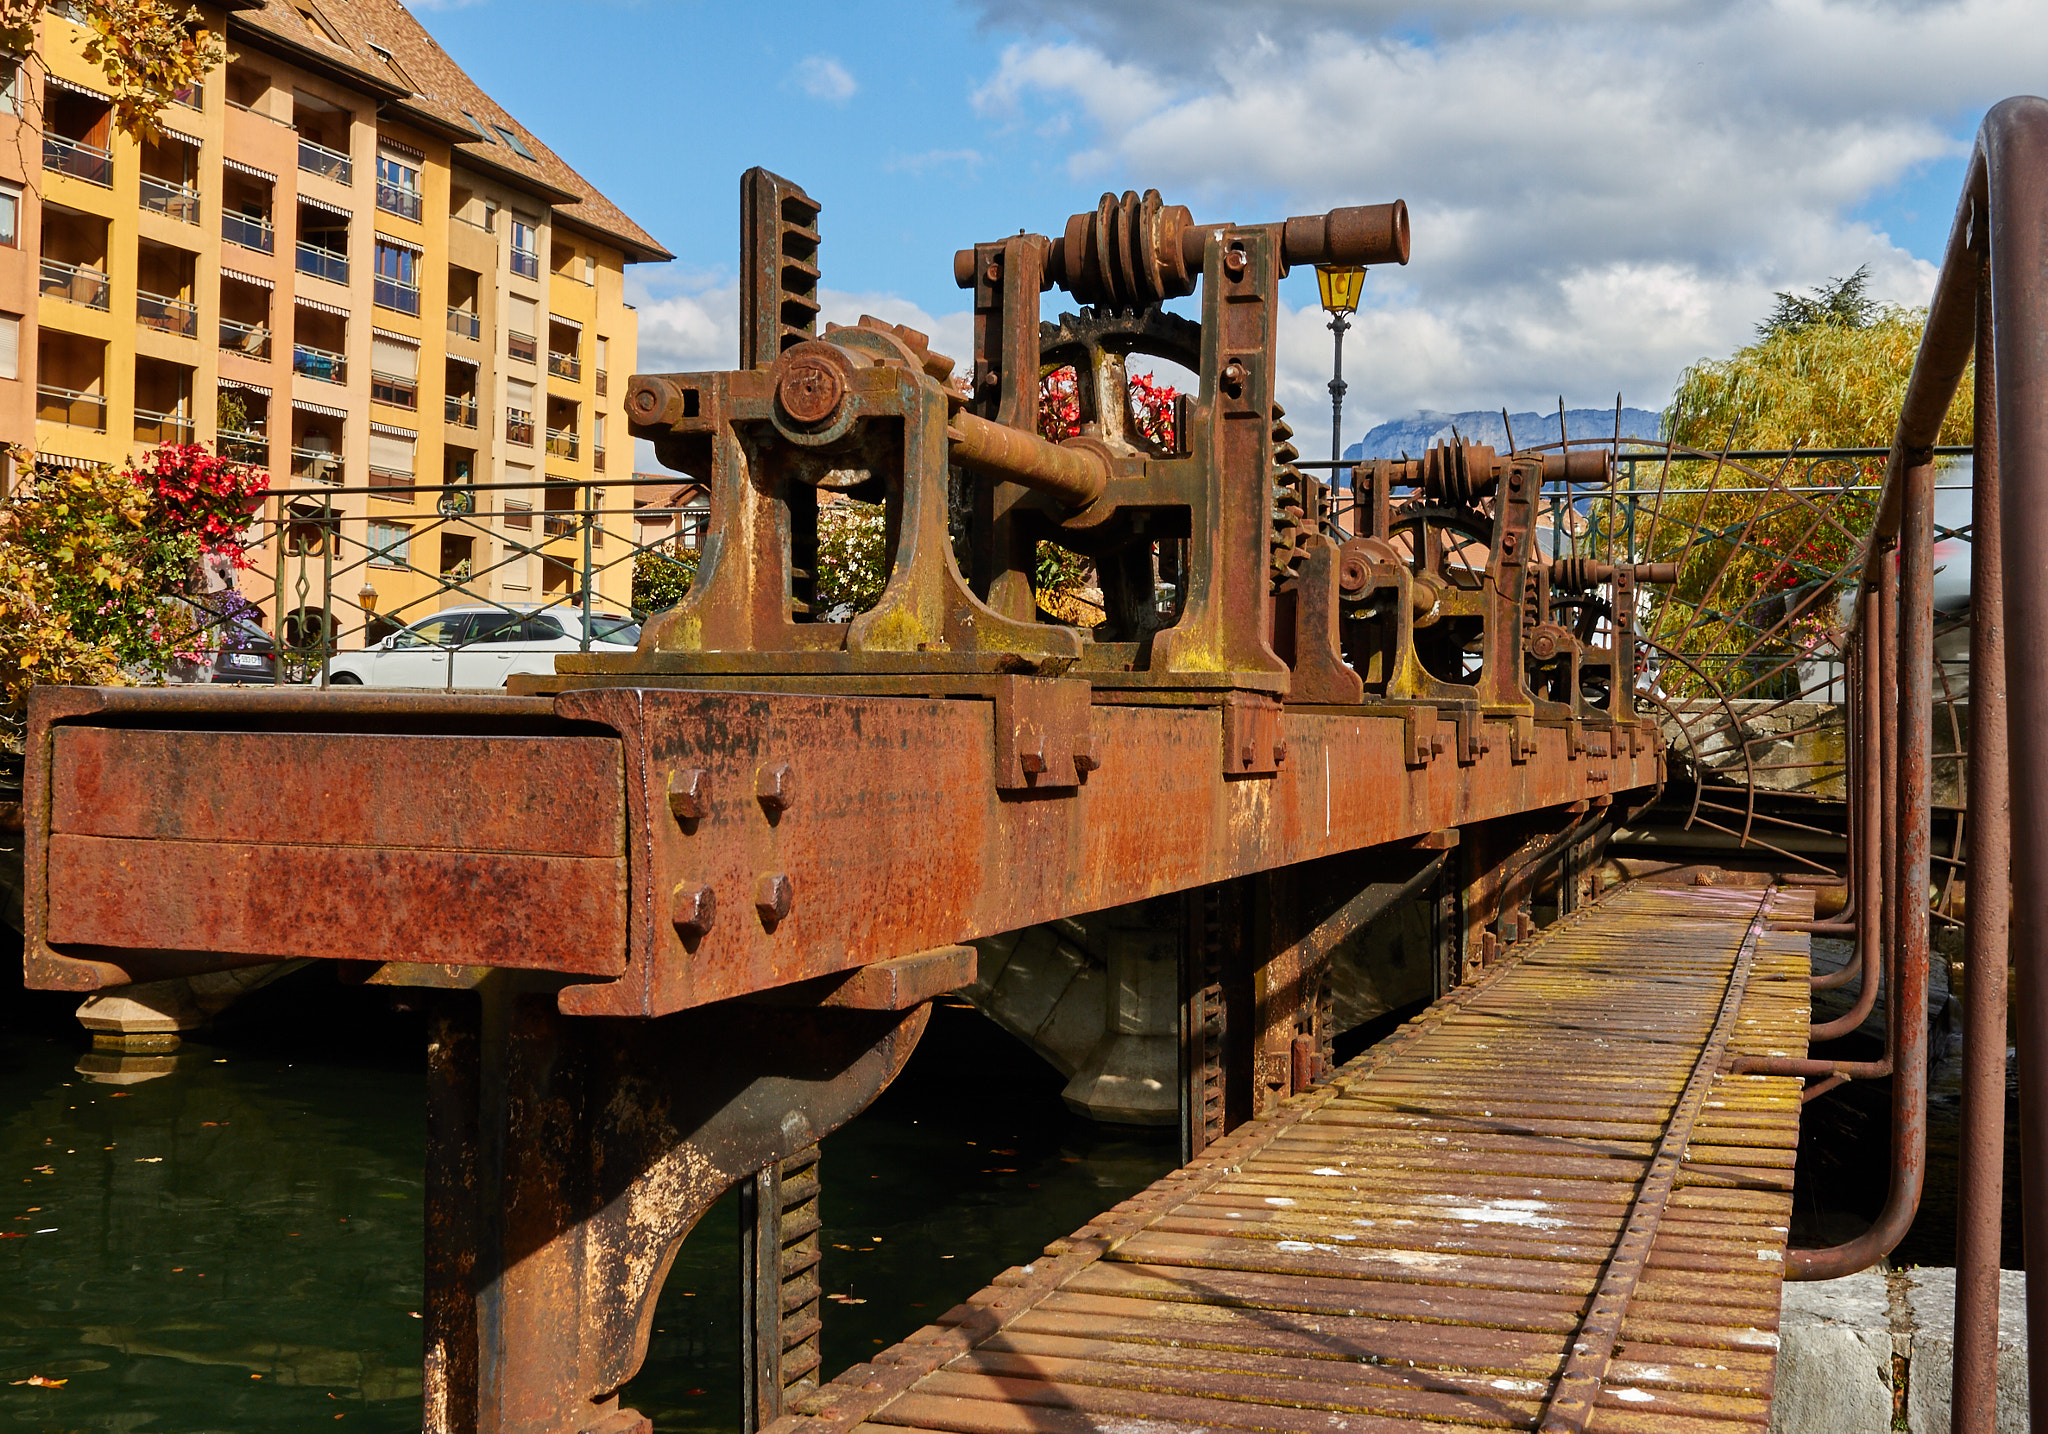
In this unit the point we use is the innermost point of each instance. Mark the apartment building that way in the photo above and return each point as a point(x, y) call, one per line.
point(343, 262)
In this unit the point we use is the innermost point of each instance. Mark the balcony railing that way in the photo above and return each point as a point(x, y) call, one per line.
point(463, 324)
point(166, 315)
point(521, 346)
point(68, 405)
point(316, 158)
point(392, 478)
point(154, 427)
point(394, 389)
point(241, 446)
point(169, 198)
point(525, 265)
point(323, 364)
point(553, 525)
point(322, 263)
point(518, 426)
point(562, 443)
point(74, 283)
point(79, 160)
point(599, 378)
point(462, 410)
point(316, 465)
point(568, 366)
point(405, 203)
point(248, 340)
point(396, 295)
point(248, 231)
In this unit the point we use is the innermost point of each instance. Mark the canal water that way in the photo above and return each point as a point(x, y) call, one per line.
point(228, 1240)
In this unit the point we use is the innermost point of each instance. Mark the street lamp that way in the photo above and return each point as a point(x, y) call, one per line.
point(366, 599)
point(1341, 285)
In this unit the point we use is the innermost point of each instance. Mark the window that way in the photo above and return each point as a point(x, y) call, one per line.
point(398, 278)
point(10, 87)
point(10, 216)
point(525, 247)
point(390, 545)
point(481, 133)
point(317, 24)
point(589, 269)
point(10, 346)
point(394, 370)
point(513, 140)
point(392, 65)
point(518, 514)
point(391, 456)
point(398, 183)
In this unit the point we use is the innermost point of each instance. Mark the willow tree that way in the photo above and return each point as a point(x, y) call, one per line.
point(1761, 570)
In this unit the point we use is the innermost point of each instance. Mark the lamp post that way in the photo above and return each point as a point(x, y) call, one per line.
point(1340, 286)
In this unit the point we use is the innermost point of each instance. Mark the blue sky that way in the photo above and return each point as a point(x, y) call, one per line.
point(1603, 190)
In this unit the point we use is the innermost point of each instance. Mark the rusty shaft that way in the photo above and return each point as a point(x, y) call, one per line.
point(1075, 474)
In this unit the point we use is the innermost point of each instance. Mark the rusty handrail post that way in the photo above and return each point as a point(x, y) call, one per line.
point(1973, 1407)
point(1909, 721)
point(1880, 622)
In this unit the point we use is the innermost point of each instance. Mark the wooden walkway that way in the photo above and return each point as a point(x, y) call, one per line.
point(1537, 1205)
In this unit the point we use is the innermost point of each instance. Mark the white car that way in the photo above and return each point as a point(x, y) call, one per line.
point(486, 644)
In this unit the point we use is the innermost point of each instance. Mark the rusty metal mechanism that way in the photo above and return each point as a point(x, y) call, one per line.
point(683, 908)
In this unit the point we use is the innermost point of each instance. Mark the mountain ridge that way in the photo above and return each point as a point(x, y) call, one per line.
point(1414, 434)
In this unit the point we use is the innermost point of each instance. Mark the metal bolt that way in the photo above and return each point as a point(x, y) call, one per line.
point(1234, 261)
point(1031, 755)
point(1279, 752)
point(687, 793)
point(1245, 755)
point(1087, 756)
point(773, 898)
point(994, 272)
point(693, 909)
point(991, 379)
point(775, 787)
point(1234, 375)
point(1509, 542)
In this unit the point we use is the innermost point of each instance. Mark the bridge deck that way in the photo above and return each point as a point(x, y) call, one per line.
point(1537, 1204)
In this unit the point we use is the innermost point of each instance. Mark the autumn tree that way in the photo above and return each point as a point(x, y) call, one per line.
point(149, 50)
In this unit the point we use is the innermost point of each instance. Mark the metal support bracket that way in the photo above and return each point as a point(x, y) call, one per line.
point(1043, 733)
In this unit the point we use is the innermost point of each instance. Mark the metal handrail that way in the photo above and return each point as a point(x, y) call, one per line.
point(522, 347)
point(464, 324)
point(526, 263)
point(154, 427)
point(568, 366)
point(323, 364)
point(78, 159)
point(317, 158)
point(328, 264)
point(55, 404)
point(405, 203)
point(562, 442)
point(166, 314)
point(394, 389)
point(75, 284)
point(461, 411)
point(248, 231)
point(396, 295)
point(171, 198)
point(244, 446)
point(248, 340)
point(518, 426)
point(315, 464)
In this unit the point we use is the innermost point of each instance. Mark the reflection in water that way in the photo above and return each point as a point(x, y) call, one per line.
point(229, 1239)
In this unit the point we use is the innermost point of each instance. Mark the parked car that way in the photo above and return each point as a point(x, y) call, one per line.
point(486, 644)
point(231, 647)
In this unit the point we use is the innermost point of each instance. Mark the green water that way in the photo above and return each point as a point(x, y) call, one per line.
point(234, 1245)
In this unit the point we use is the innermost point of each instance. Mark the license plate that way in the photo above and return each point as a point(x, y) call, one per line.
point(246, 659)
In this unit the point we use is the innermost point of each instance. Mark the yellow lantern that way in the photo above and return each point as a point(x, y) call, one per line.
point(1341, 284)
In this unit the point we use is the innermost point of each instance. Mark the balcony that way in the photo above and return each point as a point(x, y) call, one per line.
point(79, 160)
point(568, 366)
point(166, 315)
point(392, 294)
point(74, 284)
point(554, 525)
point(392, 478)
point(238, 446)
point(562, 443)
point(518, 426)
point(526, 265)
point(405, 203)
point(249, 340)
point(463, 324)
point(323, 263)
point(599, 377)
point(328, 163)
point(175, 201)
point(249, 232)
point(391, 388)
point(323, 364)
point(316, 465)
point(68, 405)
point(153, 427)
point(461, 410)
point(521, 346)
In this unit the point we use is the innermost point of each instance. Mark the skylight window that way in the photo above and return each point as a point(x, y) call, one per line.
point(512, 139)
point(481, 133)
point(392, 65)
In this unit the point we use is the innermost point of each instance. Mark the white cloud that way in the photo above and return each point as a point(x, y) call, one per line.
point(1601, 191)
point(824, 78)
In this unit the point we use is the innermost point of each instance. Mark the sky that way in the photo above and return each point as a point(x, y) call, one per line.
point(1601, 191)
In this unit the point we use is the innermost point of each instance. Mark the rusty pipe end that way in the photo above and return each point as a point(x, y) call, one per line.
point(658, 401)
point(1656, 572)
point(1579, 465)
point(1360, 234)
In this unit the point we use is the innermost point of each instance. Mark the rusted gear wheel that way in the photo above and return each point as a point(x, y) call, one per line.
point(1293, 518)
point(1097, 342)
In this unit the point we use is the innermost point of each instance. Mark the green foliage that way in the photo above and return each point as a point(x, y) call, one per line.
point(1760, 572)
point(852, 564)
point(1061, 580)
point(662, 577)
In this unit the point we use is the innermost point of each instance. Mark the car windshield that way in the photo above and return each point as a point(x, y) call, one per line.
point(604, 628)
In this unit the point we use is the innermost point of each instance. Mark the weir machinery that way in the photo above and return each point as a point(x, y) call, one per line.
point(683, 908)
